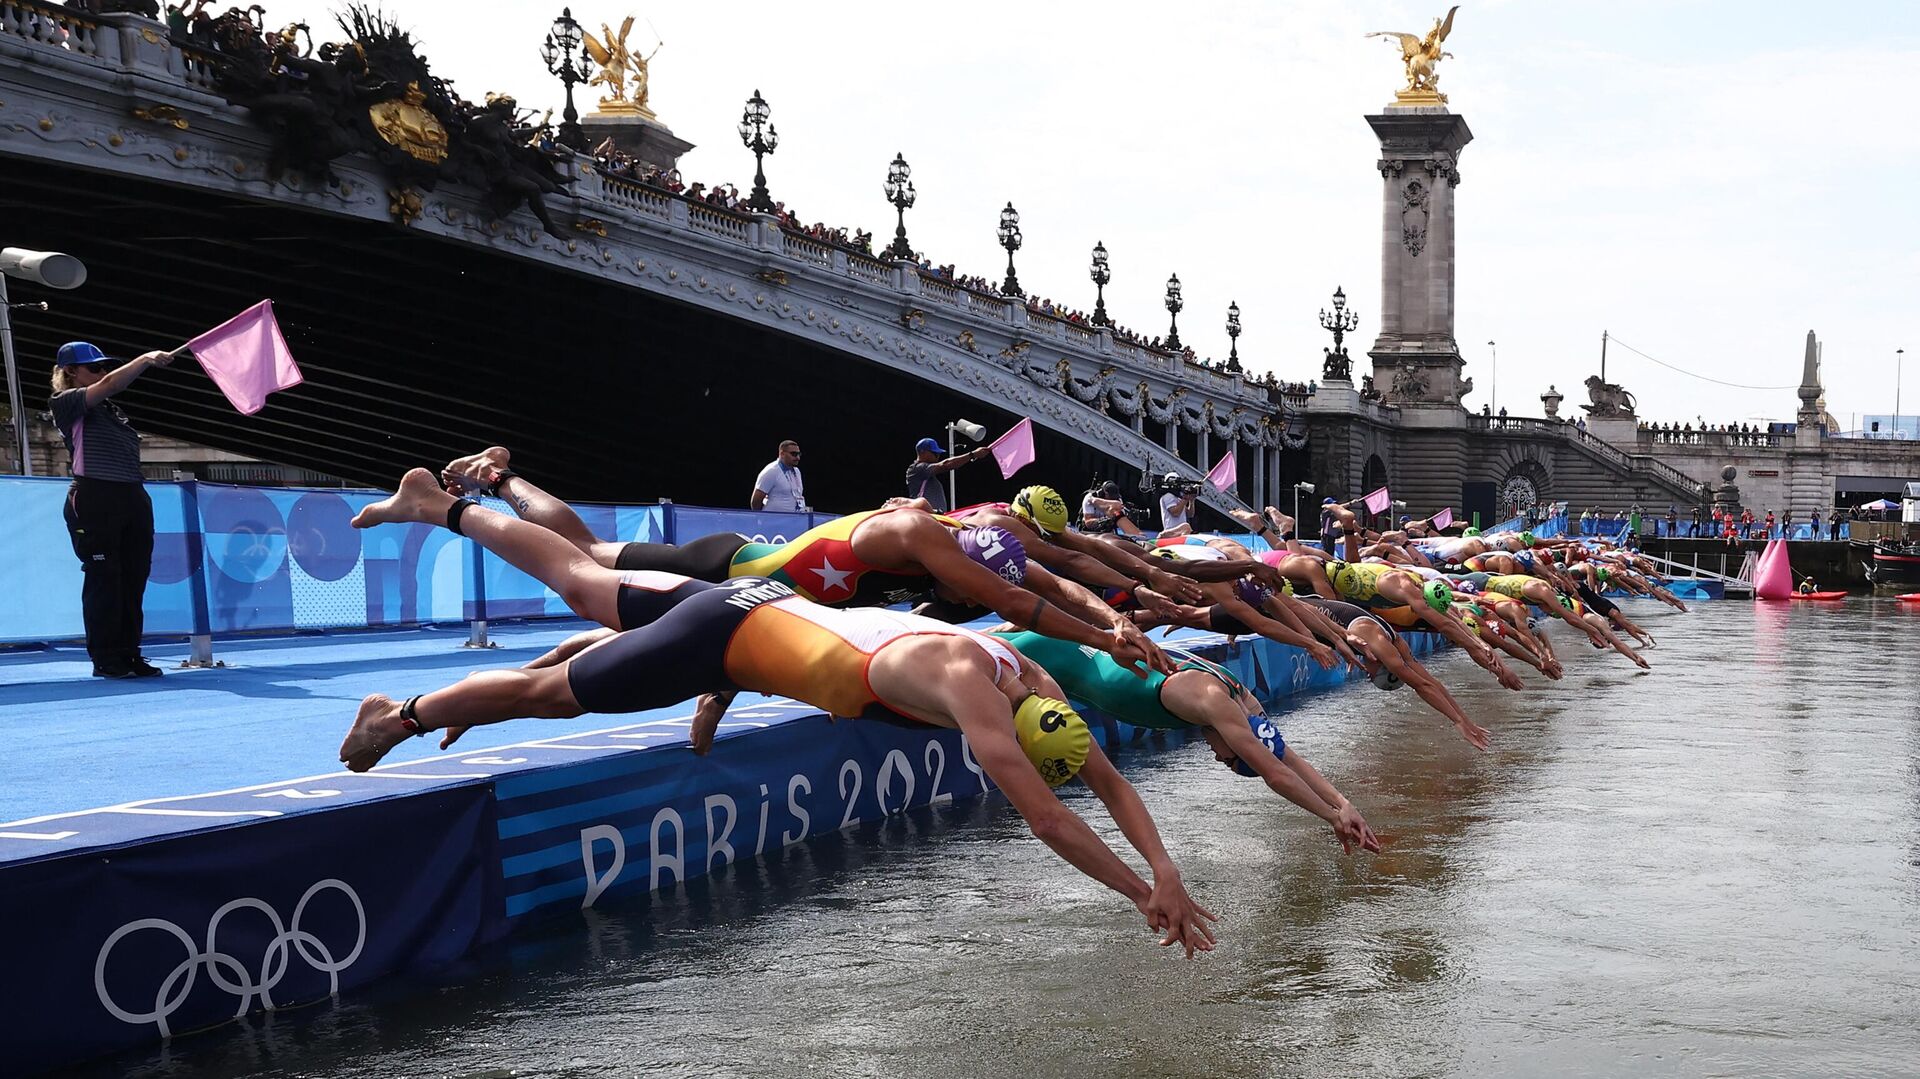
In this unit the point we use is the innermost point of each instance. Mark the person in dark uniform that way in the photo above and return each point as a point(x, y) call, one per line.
point(109, 515)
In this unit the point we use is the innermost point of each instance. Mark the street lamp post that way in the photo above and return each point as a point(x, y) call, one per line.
point(1174, 304)
point(899, 188)
point(1233, 335)
point(1101, 275)
point(566, 57)
point(1493, 405)
point(1303, 485)
point(1899, 358)
point(49, 268)
point(757, 134)
point(1337, 367)
point(1010, 238)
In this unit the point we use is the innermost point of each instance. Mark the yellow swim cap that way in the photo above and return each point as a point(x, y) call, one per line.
point(1041, 507)
point(1053, 736)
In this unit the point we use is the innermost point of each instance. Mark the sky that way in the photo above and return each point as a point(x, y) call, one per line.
point(1704, 181)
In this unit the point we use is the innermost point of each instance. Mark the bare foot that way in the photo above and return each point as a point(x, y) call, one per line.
point(1248, 518)
point(419, 499)
point(706, 720)
point(475, 472)
point(376, 730)
point(1281, 521)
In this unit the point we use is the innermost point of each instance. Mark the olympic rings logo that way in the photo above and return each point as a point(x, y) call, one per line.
point(228, 972)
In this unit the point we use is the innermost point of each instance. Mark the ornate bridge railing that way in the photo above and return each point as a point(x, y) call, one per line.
point(1681, 484)
point(66, 101)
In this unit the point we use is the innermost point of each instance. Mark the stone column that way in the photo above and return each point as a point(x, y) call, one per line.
point(1259, 498)
point(1416, 360)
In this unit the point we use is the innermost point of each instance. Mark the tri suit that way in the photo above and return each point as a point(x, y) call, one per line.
point(1092, 677)
point(749, 633)
point(818, 564)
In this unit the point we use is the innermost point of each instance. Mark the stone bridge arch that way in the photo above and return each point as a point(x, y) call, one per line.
point(1524, 477)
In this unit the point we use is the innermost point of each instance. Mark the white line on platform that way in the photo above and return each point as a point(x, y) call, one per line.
point(37, 835)
point(557, 742)
point(408, 775)
point(144, 811)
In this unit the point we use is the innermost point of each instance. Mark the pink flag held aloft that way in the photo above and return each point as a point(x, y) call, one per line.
point(1014, 450)
point(1225, 476)
point(1444, 518)
point(1378, 501)
point(246, 357)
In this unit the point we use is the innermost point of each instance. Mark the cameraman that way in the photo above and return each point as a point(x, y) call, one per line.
point(1176, 502)
point(1103, 510)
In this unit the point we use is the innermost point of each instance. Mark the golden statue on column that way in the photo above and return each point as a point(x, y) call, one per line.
point(619, 66)
point(1422, 55)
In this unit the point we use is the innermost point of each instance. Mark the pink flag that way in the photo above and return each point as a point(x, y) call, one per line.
point(1443, 518)
point(247, 358)
point(1225, 475)
point(1378, 501)
point(1014, 450)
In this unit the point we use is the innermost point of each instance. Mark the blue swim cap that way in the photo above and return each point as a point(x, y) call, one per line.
point(1269, 736)
point(997, 549)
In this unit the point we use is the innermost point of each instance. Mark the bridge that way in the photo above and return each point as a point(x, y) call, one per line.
point(658, 348)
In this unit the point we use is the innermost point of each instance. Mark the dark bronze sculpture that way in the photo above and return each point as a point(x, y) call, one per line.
point(375, 93)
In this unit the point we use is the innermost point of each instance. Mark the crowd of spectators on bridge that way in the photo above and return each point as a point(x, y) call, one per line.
point(1733, 434)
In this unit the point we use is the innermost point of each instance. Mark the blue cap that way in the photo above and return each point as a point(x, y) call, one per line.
point(928, 444)
point(1327, 501)
point(1269, 736)
point(79, 354)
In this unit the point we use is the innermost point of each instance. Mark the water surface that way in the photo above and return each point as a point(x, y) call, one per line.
point(1709, 869)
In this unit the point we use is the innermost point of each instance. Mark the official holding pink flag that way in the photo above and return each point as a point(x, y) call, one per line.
point(109, 516)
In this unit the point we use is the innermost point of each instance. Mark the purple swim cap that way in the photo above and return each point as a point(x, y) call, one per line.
point(997, 549)
point(1253, 593)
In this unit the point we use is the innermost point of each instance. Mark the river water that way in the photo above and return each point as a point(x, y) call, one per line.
point(1709, 869)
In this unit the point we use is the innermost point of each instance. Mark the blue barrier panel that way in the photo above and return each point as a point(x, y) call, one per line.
point(692, 522)
point(41, 577)
point(174, 935)
point(289, 558)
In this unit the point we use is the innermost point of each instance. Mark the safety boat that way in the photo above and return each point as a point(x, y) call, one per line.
point(1894, 562)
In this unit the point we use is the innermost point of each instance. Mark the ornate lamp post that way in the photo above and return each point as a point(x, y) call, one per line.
point(1010, 238)
point(567, 59)
point(1101, 275)
point(757, 134)
point(1337, 367)
point(899, 188)
point(1174, 304)
point(1233, 335)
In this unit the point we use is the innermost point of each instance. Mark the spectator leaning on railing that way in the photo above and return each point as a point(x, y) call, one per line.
point(109, 516)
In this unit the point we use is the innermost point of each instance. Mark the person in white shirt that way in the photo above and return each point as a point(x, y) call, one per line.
point(1174, 508)
point(778, 486)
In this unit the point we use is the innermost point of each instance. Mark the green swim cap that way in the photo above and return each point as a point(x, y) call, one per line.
point(1470, 533)
point(1439, 596)
point(1604, 575)
point(1526, 538)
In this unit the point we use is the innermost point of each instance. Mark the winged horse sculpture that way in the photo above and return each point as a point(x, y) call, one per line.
point(1421, 54)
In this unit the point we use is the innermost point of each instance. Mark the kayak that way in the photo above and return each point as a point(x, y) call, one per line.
point(1818, 595)
point(1910, 597)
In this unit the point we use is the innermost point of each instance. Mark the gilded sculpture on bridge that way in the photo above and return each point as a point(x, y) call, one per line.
point(1422, 55)
point(618, 66)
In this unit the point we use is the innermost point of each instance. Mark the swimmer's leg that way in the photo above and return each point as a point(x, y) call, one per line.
point(483, 469)
point(478, 699)
point(590, 590)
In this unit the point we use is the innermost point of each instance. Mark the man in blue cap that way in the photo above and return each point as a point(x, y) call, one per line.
point(927, 465)
point(109, 516)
